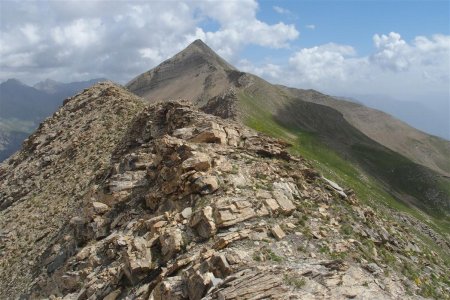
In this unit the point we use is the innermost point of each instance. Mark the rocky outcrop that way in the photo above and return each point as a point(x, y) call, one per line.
point(191, 206)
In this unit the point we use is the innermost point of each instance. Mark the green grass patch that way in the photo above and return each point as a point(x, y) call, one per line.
point(333, 166)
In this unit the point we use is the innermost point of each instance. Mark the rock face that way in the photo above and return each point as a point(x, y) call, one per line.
point(178, 204)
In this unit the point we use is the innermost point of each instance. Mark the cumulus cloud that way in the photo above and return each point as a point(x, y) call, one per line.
point(322, 62)
point(396, 67)
point(120, 39)
point(392, 52)
point(239, 27)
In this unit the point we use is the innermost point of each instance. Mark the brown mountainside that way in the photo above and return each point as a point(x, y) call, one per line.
point(200, 75)
point(114, 199)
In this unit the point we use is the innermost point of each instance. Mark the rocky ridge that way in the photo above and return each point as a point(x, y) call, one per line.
point(112, 199)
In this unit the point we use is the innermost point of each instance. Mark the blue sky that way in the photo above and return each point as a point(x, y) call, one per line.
point(351, 22)
point(399, 49)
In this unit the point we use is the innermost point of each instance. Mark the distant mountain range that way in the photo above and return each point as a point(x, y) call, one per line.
point(23, 107)
point(431, 117)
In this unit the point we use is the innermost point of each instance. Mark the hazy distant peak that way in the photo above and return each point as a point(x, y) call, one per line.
point(13, 82)
point(48, 85)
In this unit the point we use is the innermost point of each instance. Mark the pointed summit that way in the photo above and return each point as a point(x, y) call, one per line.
point(192, 69)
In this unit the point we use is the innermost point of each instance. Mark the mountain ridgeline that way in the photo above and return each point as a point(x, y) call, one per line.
point(412, 166)
point(198, 181)
point(23, 107)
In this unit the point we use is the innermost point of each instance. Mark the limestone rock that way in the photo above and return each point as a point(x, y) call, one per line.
point(169, 289)
point(203, 222)
point(235, 213)
point(211, 133)
point(198, 162)
point(171, 242)
point(137, 258)
point(286, 206)
point(277, 232)
point(100, 208)
point(205, 184)
point(187, 212)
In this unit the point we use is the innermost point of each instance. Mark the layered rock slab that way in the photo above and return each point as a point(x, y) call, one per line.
point(189, 206)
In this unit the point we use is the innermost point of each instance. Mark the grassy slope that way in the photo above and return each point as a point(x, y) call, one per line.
point(331, 164)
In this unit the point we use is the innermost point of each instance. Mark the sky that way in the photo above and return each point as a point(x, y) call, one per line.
point(396, 48)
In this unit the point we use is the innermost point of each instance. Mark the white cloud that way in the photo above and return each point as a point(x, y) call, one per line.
point(281, 10)
point(416, 69)
point(268, 71)
point(120, 39)
point(396, 67)
point(392, 52)
point(322, 62)
point(311, 26)
point(239, 27)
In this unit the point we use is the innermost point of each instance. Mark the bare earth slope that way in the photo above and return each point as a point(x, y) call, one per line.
point(425, 149)
point(111, 199)
point(42, 185)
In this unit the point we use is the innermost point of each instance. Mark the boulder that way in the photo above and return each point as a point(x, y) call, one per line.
point(286, 205)
point(211, 133)
point(198, 162)
point(205, 184)
point(171, 242)
point(137, 258)
point(203, 222)
point(198, 284)
point(100, 208)
point(277, 232)
point(231, 214)
point(169, 289)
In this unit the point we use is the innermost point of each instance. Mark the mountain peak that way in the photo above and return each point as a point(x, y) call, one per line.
point(13, 82)
point(48, 85)
point(200, 46)
point(201, 53)
point(192, 66)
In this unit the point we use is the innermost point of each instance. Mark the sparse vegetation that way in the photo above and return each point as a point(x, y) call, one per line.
point(295, 281)
point(266, 254)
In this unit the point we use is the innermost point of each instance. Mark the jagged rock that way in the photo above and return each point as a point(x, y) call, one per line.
point(198, 162)
point(373, 268)
point(127, 181)
point(137, 258)
point(229, 238)
point(171, 242)
point(231, 214)
point(187, 212)
point(205, 184)
point(148, 220)
point(169, 289)
point(113, 295)
point(210, 133)
point(277, 232)
point(249, 284)
point(203, 222)
point(335, 187)
point(100, 208)
point(198, 284)
point(286, 206)
point(220, 266)
point(100, 227)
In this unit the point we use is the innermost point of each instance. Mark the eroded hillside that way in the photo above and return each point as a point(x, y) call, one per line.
point(112, 199)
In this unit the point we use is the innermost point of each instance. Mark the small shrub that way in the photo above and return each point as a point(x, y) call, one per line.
point(294, 281)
